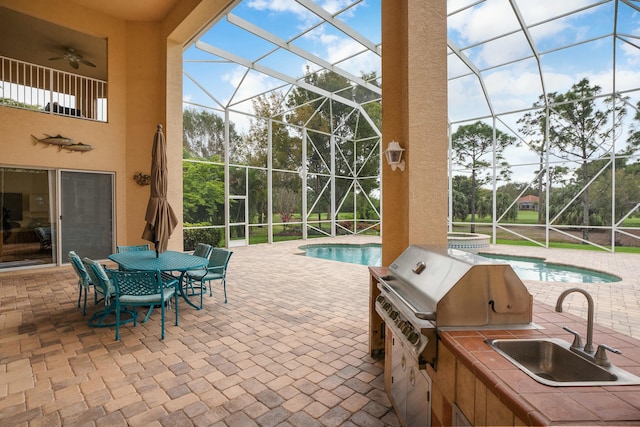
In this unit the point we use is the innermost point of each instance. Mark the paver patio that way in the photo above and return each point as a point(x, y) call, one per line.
point(289, 348)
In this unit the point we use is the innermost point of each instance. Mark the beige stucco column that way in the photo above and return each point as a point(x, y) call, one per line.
point(414, 113)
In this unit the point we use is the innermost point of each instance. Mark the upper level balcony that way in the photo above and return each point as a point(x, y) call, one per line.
point(47, 90)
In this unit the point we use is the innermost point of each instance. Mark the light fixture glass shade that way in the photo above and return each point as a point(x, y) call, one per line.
point(393, 154)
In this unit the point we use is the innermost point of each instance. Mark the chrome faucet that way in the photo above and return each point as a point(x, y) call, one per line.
point(588, 347)
point(600, 356)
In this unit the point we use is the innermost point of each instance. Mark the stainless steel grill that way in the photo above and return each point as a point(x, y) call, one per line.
point(427, 289)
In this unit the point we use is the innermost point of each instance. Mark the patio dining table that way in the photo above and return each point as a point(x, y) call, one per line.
point(166, 262)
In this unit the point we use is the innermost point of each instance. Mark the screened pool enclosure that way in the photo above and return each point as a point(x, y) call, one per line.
point(282, 121)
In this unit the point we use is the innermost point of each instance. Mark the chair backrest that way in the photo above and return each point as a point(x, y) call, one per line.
point(132, 248)
point(80, 268)
point(43, 233)
point(219, 260)
point(98, 276)
point(203, 250)
point(137, 282)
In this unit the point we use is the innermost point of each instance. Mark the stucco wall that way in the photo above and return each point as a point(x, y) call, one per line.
point(137, 101)
point(414, 66)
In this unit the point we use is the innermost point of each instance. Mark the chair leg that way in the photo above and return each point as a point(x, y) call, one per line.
point(176, 296)
point(84, 308)
point(148, 314)
point(79, 293)
point(162, 319)
point(118, 321)
point(224, 286)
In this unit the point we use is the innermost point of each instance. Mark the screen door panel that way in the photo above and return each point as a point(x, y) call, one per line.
point(86, 214)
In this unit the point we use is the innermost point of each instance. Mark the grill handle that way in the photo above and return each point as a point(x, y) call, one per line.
point(426, 315)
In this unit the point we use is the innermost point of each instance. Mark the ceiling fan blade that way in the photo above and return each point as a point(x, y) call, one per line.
point(85, 62)
point(55, 58)
point(74, 64)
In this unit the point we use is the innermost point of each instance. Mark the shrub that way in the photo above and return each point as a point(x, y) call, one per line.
point(211, 236)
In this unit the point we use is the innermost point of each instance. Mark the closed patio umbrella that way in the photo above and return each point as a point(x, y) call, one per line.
point(160, 217)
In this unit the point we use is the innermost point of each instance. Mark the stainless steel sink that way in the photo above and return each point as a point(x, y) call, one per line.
point(551, 362)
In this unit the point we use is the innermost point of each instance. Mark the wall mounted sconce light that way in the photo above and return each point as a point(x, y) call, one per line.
point(142, 179)
point(393, 153)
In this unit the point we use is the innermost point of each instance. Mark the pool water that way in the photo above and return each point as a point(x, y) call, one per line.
point(537, 269)
point(525, 268)
point(354, 254)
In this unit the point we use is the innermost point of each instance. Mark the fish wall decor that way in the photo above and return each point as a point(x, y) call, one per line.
point(58, 140)
point(77, 147)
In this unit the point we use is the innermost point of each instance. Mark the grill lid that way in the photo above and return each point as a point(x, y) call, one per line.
point(459, 289)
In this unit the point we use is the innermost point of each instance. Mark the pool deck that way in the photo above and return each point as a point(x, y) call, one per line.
point(289, 348)
point(617, 305)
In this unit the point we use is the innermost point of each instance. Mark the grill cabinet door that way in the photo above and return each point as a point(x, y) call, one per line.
point(418, 398)
point(399, 377)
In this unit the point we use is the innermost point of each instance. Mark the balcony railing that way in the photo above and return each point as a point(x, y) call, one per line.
point(37, 88)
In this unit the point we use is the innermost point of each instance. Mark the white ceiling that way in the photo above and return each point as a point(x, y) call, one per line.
point(130, 10)
point(35, 41)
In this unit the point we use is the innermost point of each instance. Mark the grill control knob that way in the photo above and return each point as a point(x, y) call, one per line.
point(393, 315)
point(401, 324)
point(407, 328)
point(380, 299)
point(386, 305)
point(413, 337)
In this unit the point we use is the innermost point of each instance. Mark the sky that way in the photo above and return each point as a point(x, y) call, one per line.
point(516, 66)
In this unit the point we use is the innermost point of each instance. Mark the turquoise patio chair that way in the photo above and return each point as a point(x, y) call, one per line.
point(142, 288)
point(84, 280)
point(203, 250)
point(104, 291)
point(131, 248)
point(216, 270)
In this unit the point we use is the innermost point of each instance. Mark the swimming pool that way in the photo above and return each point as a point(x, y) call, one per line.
point(525, 268)
point(370, 254)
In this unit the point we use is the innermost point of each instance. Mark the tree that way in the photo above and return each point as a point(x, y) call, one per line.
point(286, 154)
point(461, 186)
point(203, 192)
point(342, 125)
point(203, 133)
point(580, 131)
point(533, 125)
point(472, 145)
point(460, 205)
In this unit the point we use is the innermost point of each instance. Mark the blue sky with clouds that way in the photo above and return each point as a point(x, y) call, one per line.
point(488, 33)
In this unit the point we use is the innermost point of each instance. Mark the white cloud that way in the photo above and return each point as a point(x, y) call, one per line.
point(535, 11)
point(487, 20)
point(278, 6)
point(333, 6)
point(249, 85)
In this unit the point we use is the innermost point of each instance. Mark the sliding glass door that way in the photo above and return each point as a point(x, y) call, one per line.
point(86, 214)
point(26, 210)
point(47, 213)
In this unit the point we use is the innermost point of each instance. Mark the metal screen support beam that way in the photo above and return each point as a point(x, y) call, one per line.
point(270, 180)
point(305, 214)
point(227, 207)
point(260, 32)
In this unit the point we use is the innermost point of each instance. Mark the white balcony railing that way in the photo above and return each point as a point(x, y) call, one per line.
point(37, 88)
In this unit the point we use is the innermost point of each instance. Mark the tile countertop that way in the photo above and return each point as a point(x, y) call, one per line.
point(537, 404)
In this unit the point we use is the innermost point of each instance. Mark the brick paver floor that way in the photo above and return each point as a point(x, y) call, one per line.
point(289, 348)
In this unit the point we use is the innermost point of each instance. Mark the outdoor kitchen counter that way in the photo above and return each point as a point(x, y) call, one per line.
point(467, 360)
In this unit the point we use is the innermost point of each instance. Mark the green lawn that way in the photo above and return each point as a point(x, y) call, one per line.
point(531, 217)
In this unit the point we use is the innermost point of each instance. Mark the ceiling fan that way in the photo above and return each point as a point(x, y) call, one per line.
point(74, 58)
